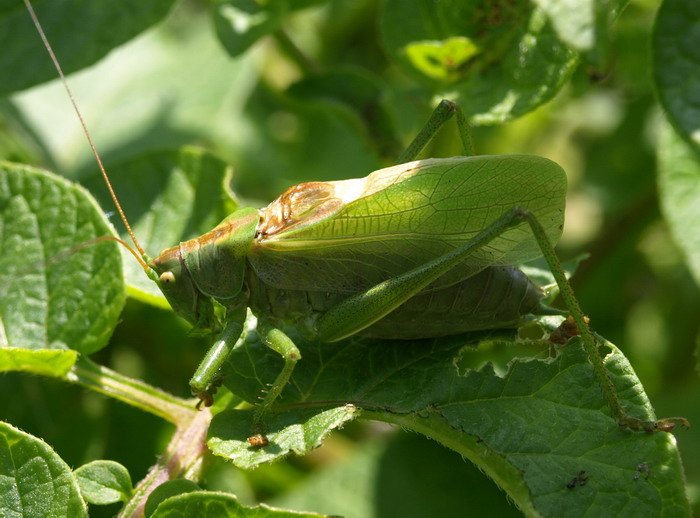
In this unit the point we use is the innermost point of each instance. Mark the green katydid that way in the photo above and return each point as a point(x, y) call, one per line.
point(427, 244)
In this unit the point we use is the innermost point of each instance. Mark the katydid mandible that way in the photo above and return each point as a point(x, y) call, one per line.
point(422, 249)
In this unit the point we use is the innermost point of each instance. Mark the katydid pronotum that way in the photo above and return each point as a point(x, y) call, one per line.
point(428, 244)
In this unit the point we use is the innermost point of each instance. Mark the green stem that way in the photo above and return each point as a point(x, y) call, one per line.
point(134, 392)
point(290, 49)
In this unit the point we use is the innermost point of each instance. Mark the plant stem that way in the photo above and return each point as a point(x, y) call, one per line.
point(183, 458)
point(290, 49)
point(134, 392)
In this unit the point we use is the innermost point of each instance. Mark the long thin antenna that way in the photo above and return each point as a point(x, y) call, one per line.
point(85, 130)
point(91, 242)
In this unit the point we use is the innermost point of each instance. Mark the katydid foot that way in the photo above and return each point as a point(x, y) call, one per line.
point(660, 425)
point(206, 396)
point(568, 330)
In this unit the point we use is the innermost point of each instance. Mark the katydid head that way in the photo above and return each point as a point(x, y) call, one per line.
point(180, 290)
point(208, 268)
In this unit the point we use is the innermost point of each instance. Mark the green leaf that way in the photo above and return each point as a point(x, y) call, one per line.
point(500, 60)
point(679, 186)
point(168, 490)
point(158, 92)
point(52, 295)
point(206, 504)
point(34, 480)
point(361, 93)
point(104, 482)
point(81, 32)
point(169, 197)
point(240, 23)
point(296, 432)
point(584, 25)
point(676, 48)
point(532, 426)
point(46, 362)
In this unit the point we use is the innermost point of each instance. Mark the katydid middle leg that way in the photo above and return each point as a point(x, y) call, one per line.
point(279, 342)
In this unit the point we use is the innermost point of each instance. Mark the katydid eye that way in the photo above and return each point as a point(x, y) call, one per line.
point(167, 278)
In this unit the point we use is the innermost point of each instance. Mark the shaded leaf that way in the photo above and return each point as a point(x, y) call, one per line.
point(532, 429)
point(505, 62)
point(296, 432)
point(240, 23)
point(679, 186)
point(362, 94)
point(411, 477)
point(676, 48)
point(34, 480)
point(584, 25)
point(167, 490)
point(81, 32)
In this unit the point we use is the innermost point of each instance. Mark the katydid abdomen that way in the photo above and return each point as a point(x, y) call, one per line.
point(497, 297)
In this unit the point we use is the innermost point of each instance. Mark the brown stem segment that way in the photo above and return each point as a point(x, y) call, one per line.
point(183, 458)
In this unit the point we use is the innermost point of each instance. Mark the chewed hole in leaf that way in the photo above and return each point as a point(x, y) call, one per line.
point(442, 60)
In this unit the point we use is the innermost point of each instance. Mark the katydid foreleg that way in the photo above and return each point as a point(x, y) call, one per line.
point(203, 382)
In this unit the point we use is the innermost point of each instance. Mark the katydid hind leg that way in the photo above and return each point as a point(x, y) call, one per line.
point(589, 341)
point(441, 114)
point(363, 309)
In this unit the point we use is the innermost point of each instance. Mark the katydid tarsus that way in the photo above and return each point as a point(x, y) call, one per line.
point(422, 249)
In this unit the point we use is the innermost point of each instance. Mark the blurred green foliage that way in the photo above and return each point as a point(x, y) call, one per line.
point(325, 100)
